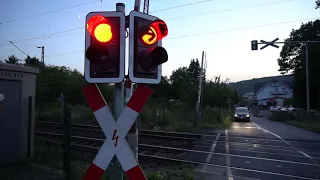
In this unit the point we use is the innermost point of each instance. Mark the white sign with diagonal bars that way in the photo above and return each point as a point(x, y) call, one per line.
point(115, 132)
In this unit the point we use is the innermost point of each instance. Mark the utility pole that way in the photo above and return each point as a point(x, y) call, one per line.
point(307, 78)
point(254, 46)
point(198, 104)
point(41, 81)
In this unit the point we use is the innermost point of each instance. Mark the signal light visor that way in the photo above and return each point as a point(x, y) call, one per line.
point(99, 28)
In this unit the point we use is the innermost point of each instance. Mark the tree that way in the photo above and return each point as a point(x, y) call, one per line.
point(12, 60)
point(292, 59)
point(185, 82)
point(28, 61)
point(235, 97)
point(317, 4)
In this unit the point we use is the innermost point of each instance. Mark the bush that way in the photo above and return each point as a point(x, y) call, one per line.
point(180, 117)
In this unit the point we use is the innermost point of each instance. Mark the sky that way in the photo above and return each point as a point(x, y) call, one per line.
point(222, 28)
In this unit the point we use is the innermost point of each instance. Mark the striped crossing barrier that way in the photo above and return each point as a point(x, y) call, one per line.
point(115, 132)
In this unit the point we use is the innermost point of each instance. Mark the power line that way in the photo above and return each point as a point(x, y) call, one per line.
point(241, 28)
point(60, 32)
point(211, 32)
point(74, 52)
point(231, 9)
point(44, 36)
point(49, 12)
point(183, 5)
point(18, 48)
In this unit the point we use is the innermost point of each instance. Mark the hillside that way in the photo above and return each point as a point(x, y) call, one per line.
point(254, 84)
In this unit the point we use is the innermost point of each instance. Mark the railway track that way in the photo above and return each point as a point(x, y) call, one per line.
point(175, 148)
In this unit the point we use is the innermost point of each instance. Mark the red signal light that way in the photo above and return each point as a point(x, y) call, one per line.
point(161, 28)
point(99, 27)
point(157, 31)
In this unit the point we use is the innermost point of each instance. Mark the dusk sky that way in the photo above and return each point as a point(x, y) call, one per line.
point(221, 28)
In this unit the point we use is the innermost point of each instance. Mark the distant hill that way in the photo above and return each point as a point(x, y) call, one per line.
point(255, 84)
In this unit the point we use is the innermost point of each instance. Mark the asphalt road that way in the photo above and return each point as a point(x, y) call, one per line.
point(260, 149)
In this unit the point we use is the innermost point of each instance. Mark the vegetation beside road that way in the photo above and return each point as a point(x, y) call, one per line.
point(299, 118)
point(171, 106)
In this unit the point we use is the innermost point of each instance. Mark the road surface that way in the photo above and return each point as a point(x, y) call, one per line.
point(260, 149)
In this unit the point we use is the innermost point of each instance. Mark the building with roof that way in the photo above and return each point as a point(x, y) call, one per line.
point(274, 92)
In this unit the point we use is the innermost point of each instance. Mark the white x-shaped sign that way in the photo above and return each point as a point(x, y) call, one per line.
point(115, 132)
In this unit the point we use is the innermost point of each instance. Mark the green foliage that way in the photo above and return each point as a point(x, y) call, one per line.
point(288, 102)
point(159, 175)
point(12, 60)
point(292, 59)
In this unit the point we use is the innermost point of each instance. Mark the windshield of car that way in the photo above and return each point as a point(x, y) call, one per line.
point(242, 110)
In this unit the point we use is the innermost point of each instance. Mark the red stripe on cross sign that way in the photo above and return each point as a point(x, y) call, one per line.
point(92, 94)
point(142, 94)
point(136, 173)
point(94, 172)
point(115, 132)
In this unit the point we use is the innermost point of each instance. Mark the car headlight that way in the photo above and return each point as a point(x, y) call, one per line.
point(248, 115)
point(235, 115)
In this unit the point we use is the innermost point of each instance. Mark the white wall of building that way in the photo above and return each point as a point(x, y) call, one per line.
point(274, 89)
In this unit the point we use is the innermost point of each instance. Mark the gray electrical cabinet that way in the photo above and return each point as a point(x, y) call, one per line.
point(17, 84)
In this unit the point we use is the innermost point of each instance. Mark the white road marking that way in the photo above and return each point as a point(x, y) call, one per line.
point(211, 151)
point(229, 172)
point(182, 154)
point(223, 166)
point(301, 152)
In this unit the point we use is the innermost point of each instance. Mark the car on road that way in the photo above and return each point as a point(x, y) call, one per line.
point(242, 114)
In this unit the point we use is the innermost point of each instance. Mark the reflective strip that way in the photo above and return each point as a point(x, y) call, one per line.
point(126, 120)
point(139, 98)
point(105, 155)
point(93, 96)
point(94, 173)
point(135, 173)
point(125, 155)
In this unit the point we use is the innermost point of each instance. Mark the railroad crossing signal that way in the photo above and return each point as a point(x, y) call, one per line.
point(145, 51)
point(254, 45)
point(115, 132)
point(271, 43)
point(104, 47)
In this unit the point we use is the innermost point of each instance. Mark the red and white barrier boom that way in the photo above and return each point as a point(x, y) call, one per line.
point(115, 132)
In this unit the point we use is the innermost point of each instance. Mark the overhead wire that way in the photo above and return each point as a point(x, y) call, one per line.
point(241, 28)
point(60, 32)
point(227, 10)
point(212, 32)
point(49, 12)
point(179, 6)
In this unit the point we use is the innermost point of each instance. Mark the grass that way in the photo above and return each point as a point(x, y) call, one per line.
point(176, 172)
point(308, 125)
point(173, 117)
point(299, 119)
point(179, 117)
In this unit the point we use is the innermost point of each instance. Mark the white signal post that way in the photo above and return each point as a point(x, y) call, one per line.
point(115, 132)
